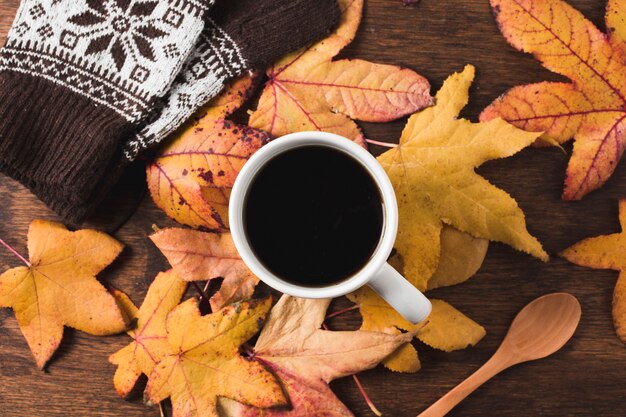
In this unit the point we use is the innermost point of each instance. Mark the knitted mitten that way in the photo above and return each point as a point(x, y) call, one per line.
point(77, 77)
point(239, 36)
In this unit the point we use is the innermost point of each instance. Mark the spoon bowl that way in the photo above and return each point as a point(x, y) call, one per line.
point(542, 327)
point(539, 329)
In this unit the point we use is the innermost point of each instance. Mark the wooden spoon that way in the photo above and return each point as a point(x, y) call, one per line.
point(539, 330)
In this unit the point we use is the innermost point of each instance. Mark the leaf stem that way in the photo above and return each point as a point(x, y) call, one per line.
point(339, 312)
point(366, 397)
point(379, 143)
point(14, 252)
point(202, 294)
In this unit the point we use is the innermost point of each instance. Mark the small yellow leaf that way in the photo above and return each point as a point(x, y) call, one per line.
point(59, 287)
point(448, 329)
point(456, 330)
point(461, 257)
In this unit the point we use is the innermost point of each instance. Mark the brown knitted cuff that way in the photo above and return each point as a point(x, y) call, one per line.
point(276, 28)
point(53, 140)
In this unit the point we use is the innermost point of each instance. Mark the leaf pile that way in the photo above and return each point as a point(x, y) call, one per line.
point(59, 288)
point(306, 358)
point(446, 328)
point(592, 107)
point(607, 252)
point(432, 171)
point(307, 90)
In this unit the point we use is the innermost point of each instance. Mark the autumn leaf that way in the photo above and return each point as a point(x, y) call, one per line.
point(192, 177)
point(592, 107)
point(203, 362)
point(306, 358)
point(446, 328)
point(58, 287)
point(200, 256)
point(308, 91)
point(432, 171)
point(607, 252)
point(149, 336)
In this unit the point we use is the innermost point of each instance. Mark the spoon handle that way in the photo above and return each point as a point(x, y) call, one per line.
point(492, 367)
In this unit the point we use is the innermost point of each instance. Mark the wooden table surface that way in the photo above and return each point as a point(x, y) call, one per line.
point(435, 38)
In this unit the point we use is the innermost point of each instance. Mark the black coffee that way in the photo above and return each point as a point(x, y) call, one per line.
point(313, 215)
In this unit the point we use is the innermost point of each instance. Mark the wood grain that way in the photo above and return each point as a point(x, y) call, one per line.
point(435, 38)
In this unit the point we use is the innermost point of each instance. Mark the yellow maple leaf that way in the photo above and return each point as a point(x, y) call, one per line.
point(607, 252)
point(307, 90)
point(432, 171)
point(149, 343)
point(445, 329)
point(201, 256)
point(203, 362)
point(58, 287)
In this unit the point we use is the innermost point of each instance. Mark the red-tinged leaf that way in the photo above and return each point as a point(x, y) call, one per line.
point(200, 256)
point(306, 358)
point(592, 108)
point(191, 179)
point(308, 91)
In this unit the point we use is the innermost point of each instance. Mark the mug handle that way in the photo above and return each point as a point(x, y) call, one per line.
point(401, 294)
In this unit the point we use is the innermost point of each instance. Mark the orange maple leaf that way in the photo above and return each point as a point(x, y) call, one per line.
point(203, 362)
point(58, 287)
point(149, 343)
point(607, 252)
point(308, 91)
point(200, 256)
point(306, 358)
point(192, 177)
point(592, 108)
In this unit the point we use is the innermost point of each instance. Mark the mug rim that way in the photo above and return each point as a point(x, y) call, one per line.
point(296, 140)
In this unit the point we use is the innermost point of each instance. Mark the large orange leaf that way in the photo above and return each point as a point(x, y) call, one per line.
point(203, 361)
point(308, 91)
point(306, 358)
point(200, 256)
point(149, 343)
point(607, 252)
point(192, 178)
point(592, 108)
point(58, 288)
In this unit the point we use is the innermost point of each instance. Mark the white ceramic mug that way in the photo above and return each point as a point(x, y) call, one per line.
point(377, 273)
